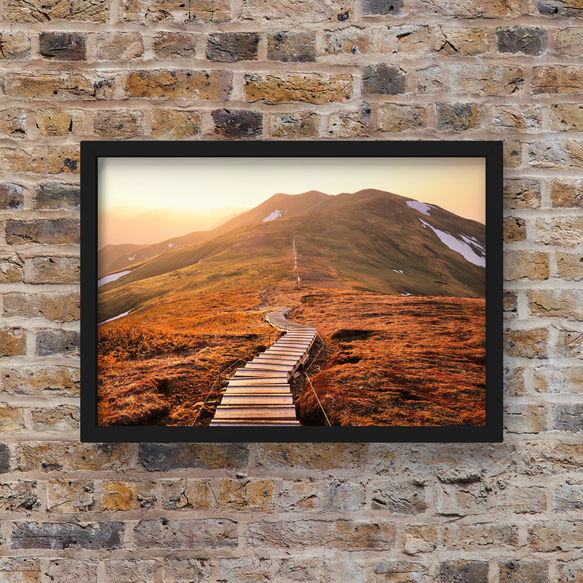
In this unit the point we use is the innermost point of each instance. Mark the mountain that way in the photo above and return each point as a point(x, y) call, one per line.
point(369, 240)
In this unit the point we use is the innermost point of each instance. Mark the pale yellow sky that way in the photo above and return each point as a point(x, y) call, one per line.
point(456, 184)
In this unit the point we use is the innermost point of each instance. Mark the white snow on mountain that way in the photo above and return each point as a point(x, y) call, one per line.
point(274, 215)
point(420, 207)
point(112, 277)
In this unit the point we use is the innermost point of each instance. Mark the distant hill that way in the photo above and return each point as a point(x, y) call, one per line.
point(369, 240)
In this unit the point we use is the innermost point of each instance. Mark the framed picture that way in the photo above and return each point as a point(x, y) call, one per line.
point(291, 291)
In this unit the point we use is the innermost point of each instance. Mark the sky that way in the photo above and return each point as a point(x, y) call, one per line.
point(455, 184)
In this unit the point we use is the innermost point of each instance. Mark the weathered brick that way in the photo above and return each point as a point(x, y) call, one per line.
point(461, 499)
point(167, 534)
point(19, 496)
point(291, 47)
point(174, 123)
point(410, 40)
point(173, 45)
point(53, 342)
point(510, 305)
point(11, 419)
point(12, 342)
point(401, 498)
point(481, 536)
point(15, 45)
point(399, 571)
point(42, 11)
point(197, 11)
point(246, 494)
point(381, 7)
point(568, 417)
point(567, 194)
point(11, 269)
point(569, 571)
point(559, 380)
point(63, 535)
point(312, 88)
point(383, 80)
point(514, 229)
point(180, 569)
point(62, 418)
point(21, 570)
point(560, 231)
point(59, 122)
point(462, 572)
point(57, 86)
point(457, 117)
point(72, 570)
point(54, 270)
point(130, 570)
point(567, 117)
point(524, 571)
point(4, 458)
point(512, 157)
point(558, 79)
point(527, 343)
point(547, 537)
point(568, 497)
point(11, 198)
point(395, 117)
point(211, 85)
point(300, 495)
point(570, 266)
point(462, 42)
point(514, 381)
point(13, 122)
point(119, 46)
point(43, 231)
point(302, 124)
point(230, 47)
point(320, 456)
point(348, 41)
point(288, 10)
point(522, 39)
point(185, 493)
point(524, 418)
point(558, 303)
point(117, 124)
point(237, 125)
point(469, 8)
point(161, 457)
point(69, 496)
point(128, 496)
point(532, 265)
point(37, 381)
point(51, 306)
point(569, 41)
point(522, 193)
point(41, 160)
point(63, 46)
point(524, 499)
point(525, 117)
point(569, 343)
point(245, 569)
point(556, 7)
point(57, 196)
point(420, 539)
point(350, 124)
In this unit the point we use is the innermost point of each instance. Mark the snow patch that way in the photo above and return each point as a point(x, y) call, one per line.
point(170, 245)
point(115, 318)
point(420, 207)
point(132, 257)
point(112, 277)
point(407, 294)
point(274, 215)
point(399, 271)
point(464, 249)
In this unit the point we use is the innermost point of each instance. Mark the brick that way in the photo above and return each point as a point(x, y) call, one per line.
point(55, 342)
point(530, 41)
point(514, 229)
point(174, 123)
point(70, 496)
point(57, 196)
point(469, 8)
point(42, 11)
point(292, 47)
point(186, 534)
point(63, 46)
point(524, 571)
point(567, 117)
point(569, 343)
point(62, 418)
point(298, 88)
point(197, 11)
point(15, 45)
point(323, 570)
point(342, 534)
point(41, 160)
point(568, 417)
point(527, 343)
point(13, 122)
point(245, 569)
point(510, 305)
point(567, 194)
point(117, 124)
point(479, 537)
point(11, 269)
point(119, 46)
point(569, 41)
point(403, 498)
point(11, 198)
point(185, 493)
point(558, 80)
point(53, 306)
point(40, 381)
point(237, 125)
point(211, 85)
point(130, 570)
point(300, 495)
point(524, 499)
point(564, 231)
point(381, 7)
point(462, 572)
point(320, 456)
point(383, 80)
point(288, 10)
point(559, 303)
point(570, 266)
point(43, 231)
point(4, 458)
point(159, 457)
point(569, 571)
point(64, 535)
point(343, 495)
point(350, 124)
point(556, 7)
point(21, 570)
point(522, 193)
point(174, 45)
point(191, 570)
point(54, 270)
point(407, 40)
point(547, 537)
point(525, 117)
point(461, 499)
point(72, 571)
point(118, 496)
point(302, 124)
point(533, 265)
point(457, 117)
point(460, 41)
point(12, 342)
point(58, 456)
point(512, 157)
point(568, 498)
point(231, 47)
point(514, 381)
point(420, 539)
point(394, 117)
point(524, 418)
point(246, 494)
point(348, 41)
point(59, 122)
point(559, 380)
point(470, 80)
point(400, 571)
point(19, 496)
point(57, 86)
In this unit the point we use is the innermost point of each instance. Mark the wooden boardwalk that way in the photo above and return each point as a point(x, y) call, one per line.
point(259, 393)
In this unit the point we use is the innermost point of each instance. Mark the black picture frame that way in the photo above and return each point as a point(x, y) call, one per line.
point(491, 151)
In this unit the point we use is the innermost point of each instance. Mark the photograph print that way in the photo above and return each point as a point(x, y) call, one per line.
point(259, 291)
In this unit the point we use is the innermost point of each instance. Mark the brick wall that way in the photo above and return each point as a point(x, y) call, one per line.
point(281, 69)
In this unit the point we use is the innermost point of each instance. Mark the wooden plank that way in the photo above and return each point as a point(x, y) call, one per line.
point(250, 400)
point(278, 367)
point(276, 392)
point(263, 412)
point(257, 382)
point(277, 358)
point(262, 422)
point(245, 373)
